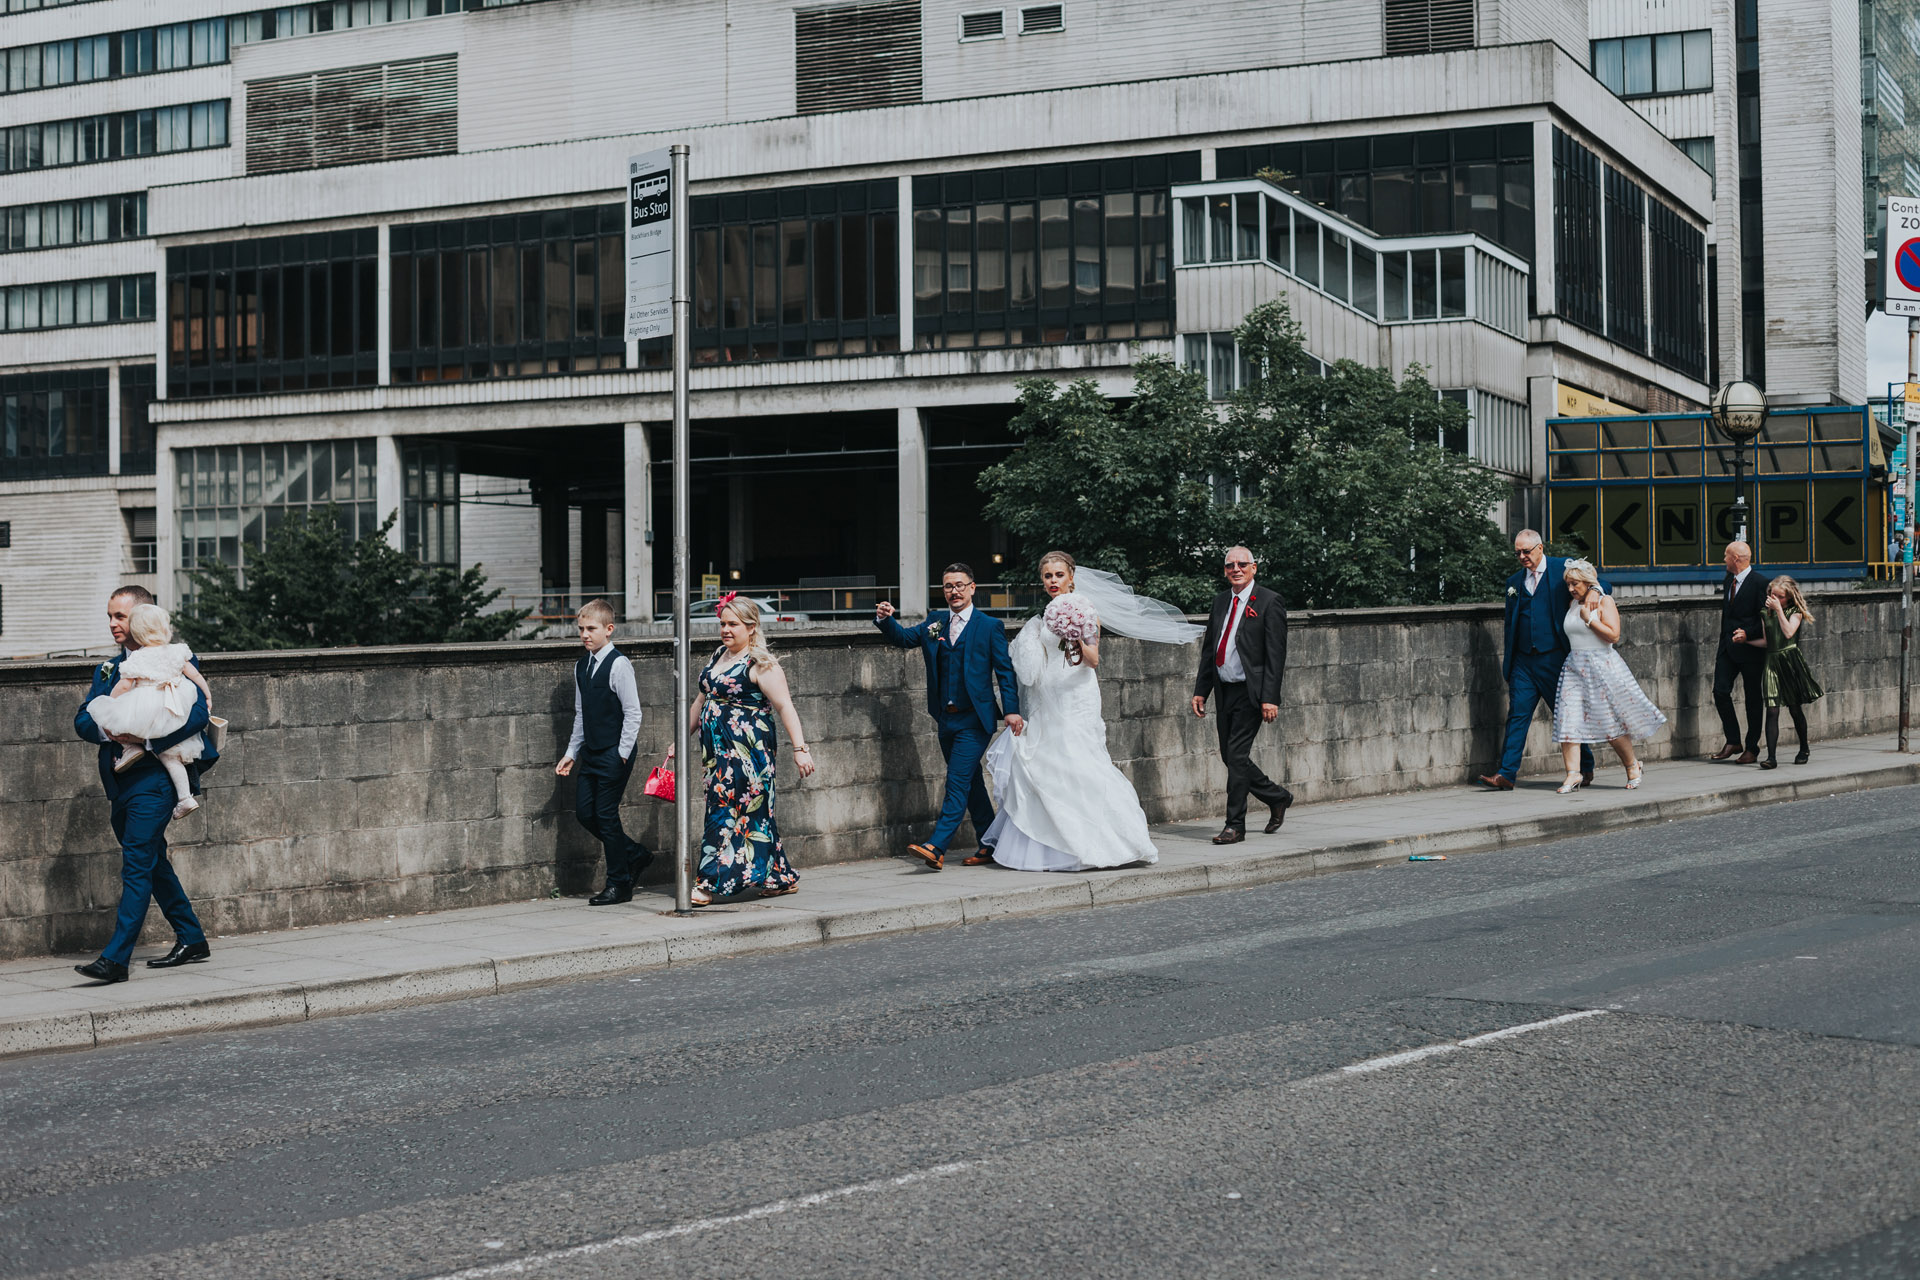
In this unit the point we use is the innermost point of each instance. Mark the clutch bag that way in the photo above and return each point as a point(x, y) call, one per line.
point(660, 783)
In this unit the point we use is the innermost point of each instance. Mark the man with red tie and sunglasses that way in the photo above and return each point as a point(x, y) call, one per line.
point(1242, 661)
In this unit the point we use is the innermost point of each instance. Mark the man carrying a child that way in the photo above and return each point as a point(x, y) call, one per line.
point(144, 801)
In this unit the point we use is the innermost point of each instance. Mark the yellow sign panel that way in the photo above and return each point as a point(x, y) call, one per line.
point(709, 586)
point(1571, 402)
point(1913, 392)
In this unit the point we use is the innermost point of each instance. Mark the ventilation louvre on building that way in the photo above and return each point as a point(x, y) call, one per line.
point(983, 26)
point(1042, 18)
point(353, 115)
point(849, 56)
point(1427, 26)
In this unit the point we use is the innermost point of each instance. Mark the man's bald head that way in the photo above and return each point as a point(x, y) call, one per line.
point(1739, 556)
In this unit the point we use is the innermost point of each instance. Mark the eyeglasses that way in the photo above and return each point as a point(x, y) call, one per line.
point(1526, 553)
point(955, 586)
point(1239, 564)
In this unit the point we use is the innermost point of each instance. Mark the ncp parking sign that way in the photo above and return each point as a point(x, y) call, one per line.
point(1900, 258)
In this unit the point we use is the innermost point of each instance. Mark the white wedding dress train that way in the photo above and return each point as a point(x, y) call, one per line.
point(1063, 805)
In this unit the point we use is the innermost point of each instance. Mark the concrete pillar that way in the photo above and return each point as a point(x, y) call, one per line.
point(113, 419)
point(383, 320)
point(914, 569)
point(389, 487)
point(903, 243)
point(637, 539)
point(166, 531)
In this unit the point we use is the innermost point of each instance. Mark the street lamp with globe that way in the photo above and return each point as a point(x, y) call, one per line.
point(1739, 411)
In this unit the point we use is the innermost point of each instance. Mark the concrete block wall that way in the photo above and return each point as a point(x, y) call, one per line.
point(367, 782)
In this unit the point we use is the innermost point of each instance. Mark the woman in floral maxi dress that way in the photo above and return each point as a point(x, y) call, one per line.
point(741, 691)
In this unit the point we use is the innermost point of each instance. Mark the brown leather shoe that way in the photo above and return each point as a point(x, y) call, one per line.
point(1230, 835)
point(1727, 752)
point(1496, 781)
point(1586, 779)
point(1747, 757)
point(1277, 817)
point(983, 858)
point(928, 854)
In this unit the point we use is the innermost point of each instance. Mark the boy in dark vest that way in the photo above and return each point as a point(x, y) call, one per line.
point(606, 721)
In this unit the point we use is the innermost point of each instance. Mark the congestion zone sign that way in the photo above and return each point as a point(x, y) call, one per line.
point(1900, 269)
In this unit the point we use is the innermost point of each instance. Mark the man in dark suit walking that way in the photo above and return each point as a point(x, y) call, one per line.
point(967, 658)
point(1743, 598)
point(1537, 604)
point(1243, 659)
point(143, 800)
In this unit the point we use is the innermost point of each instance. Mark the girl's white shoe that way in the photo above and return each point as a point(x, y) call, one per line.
point(185, 807)
point(1571, 785)
point(128, 757)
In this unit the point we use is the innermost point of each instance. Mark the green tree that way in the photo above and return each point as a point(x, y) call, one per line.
point(1345, 495)
point(1121, 487)
point(313, 587)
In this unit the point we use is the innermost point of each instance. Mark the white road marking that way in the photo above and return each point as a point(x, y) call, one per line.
point(1461, 904)
point(1454, 1046)
point(538, 1261)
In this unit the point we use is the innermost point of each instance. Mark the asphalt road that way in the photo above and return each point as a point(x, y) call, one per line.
point(1201, 1086)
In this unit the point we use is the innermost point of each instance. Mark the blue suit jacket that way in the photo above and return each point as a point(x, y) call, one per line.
point(105, 676)
point(984, 661)
point(1554, 584)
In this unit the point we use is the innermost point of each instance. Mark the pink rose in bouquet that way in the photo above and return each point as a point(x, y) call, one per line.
point(1073, 620)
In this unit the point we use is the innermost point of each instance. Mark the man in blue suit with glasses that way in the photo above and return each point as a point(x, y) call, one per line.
point(1537, 604)
point(143, 800)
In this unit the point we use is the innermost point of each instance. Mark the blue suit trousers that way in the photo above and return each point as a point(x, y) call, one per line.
point(140, 815)
point(1535, 679)
point(963, 741)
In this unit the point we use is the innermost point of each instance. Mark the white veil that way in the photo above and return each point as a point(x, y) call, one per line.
point(1125, 613)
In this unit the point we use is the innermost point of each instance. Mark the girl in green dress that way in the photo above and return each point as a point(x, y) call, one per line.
point(1788, 682)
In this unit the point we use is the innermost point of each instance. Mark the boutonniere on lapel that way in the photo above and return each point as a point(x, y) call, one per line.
point(106, 670)
point(933, 629)
point(1513, 591)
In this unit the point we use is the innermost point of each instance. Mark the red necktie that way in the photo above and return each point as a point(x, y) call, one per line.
point(1226, 632)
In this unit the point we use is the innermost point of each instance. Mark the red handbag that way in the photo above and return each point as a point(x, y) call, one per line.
point(660, 783)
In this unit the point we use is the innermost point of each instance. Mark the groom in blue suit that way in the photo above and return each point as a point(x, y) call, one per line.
point(142, 800)
point(1537, 604)
point(966, 655)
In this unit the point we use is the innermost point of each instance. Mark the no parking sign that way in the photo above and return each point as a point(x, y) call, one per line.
point(1900, 258)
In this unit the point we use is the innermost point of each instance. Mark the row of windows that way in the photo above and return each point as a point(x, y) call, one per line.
point(282, 314)
point(1478, 180)
point(55, 424)
point(116, 136)
point(498, 297)
point(179, 45)
point(808, 271)
point(228, 500)
point(1052, 253)
point(1645, 66)
point(63, 222)
point(174, 47)
point(65, 304)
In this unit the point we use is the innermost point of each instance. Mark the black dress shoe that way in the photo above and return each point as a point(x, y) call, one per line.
point(1278, 816)
point(182, 953)
point(1230, 835)
point(1586, 778)
point(1769, 763)
point(102, 970)
point(1803, 757)
point(612, 895)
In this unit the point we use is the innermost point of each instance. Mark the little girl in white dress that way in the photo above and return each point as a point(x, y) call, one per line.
point(153, 699)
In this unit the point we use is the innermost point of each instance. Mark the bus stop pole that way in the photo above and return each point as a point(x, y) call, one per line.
point(1906, 538)
point(689, 781)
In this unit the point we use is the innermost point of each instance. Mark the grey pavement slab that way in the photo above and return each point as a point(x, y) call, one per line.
point(297, 974)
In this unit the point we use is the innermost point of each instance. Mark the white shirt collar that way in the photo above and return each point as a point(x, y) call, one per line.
point(1740, 578)
point(962, 615)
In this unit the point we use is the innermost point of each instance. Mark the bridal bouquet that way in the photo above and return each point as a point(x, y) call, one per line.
point(1073, 621)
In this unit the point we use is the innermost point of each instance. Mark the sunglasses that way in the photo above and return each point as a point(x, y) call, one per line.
point(1239, 564)
point(1526, 553)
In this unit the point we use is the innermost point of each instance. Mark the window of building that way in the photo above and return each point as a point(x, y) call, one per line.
point(353, 115)
point(1646, 66)
point(1576, 233)
point(139, 388)
point(228, 499)
point(1626, 261)
point(143, 540)
point(1677, 259)
point(193, 126)
point(1048, 253)
point(524, 295)
point(173, 47)
point(1040, 19)
point(1699, 150)
point(286, 313)
point(1426, 26)
point(1753, 240)
point(847, 56)
point(989, 24)
point(65, 222)
point(431, 516)
point(804, 271)
point(1478, 180)
point(53, 424)
point(6, 534)
point(68, 304)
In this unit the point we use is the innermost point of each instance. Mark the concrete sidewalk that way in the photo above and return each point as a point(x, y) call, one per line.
point(267, 978)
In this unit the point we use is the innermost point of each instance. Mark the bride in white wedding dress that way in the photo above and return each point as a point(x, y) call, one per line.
point(1063, 804)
